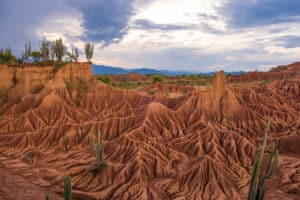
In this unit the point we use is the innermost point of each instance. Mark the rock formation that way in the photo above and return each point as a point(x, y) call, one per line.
point(197, 146)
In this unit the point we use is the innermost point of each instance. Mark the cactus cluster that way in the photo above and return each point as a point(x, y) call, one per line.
point(98, 150)
point(257, 184)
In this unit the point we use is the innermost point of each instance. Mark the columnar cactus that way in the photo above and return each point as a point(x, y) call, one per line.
point(68, 188)
point(257, 185)
point(98, 150)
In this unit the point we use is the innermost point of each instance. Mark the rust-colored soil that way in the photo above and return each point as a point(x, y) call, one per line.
point(200, 145)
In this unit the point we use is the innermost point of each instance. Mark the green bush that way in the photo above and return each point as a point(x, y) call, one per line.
point(158, 78)
point(83, 86)
point(264, 82)
point(105, 79)
point(59, 65)
point(151, 92)
point(3, 97)
point(29, 157)
point(201, 82)
point(7, 57)
point(36, 89)
point(279, 68)
point(70, 85)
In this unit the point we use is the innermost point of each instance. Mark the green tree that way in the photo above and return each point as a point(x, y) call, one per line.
point(89, 50)
point(36, 55)
point(76, 54)
point(8, 53)
point(73, 55)
point(27, 52)
point(60, 49)
point(45, 50)
point(52, 50)
point(6, 56)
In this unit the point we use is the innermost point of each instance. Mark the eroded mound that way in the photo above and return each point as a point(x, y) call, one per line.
point(277, 73)
point(197, 146)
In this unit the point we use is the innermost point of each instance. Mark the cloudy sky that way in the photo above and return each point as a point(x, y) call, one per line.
point(195, 35)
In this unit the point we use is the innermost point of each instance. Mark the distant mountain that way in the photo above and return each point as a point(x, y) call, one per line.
point(109, 70)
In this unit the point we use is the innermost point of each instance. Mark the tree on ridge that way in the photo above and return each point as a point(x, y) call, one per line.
point(89, 50)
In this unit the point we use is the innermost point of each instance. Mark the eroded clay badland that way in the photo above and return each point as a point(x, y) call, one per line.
point(198, 145)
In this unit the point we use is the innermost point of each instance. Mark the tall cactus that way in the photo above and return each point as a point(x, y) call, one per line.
point(257, 185)
point(68, 188)
point(98, 150)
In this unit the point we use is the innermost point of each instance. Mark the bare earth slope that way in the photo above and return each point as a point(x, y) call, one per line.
point(199, 146)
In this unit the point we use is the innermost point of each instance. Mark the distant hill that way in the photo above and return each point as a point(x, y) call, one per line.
point(109, 70)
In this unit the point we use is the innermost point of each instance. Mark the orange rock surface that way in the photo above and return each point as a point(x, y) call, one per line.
point(197, 146)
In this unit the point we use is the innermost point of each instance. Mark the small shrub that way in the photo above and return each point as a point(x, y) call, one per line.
point(202, 83)
point(264, 82)
point(105, 79)
point(59, 65)
point(3, 97)
point(158, 78)
point(36, 89)
point(279, 68)
point(124, 80)
point(151, 92)
point(70, 85)
point(83, 86)
point(29, 157)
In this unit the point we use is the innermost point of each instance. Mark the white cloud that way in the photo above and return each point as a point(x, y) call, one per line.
point(181, 34)
point(67, 26)
point(198, 48)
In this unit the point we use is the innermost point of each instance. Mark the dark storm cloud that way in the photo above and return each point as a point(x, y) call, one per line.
point(251, 13)
point(104, 20)
point(18, 20)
